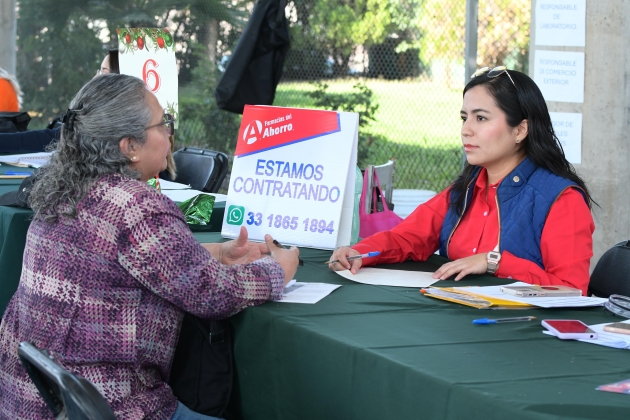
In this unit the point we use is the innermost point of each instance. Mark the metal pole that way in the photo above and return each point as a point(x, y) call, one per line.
point(8, 27)
point(470, 53)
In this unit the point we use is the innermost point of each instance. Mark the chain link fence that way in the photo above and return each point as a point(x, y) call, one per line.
point(399, 63)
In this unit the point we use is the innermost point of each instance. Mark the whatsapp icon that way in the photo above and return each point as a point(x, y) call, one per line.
point(235, 215)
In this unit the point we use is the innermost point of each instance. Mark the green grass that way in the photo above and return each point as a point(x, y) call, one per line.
point(417, 123)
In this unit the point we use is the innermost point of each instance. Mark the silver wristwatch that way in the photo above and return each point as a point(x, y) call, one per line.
point(493, 261)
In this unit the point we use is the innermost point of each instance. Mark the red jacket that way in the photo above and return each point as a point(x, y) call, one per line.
point(566, 244)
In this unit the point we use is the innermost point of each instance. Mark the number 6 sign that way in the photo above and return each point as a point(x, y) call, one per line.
point(151, 77)
point(149, 54)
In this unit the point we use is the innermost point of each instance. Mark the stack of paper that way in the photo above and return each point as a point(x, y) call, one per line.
point(473, 296)
point(492, 297)
point(297, 292)
point(33, 160)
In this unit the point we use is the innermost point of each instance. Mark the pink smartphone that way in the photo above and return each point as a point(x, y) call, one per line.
point(569, 329)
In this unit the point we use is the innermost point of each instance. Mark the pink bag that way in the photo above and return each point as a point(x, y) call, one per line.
point(376, 221)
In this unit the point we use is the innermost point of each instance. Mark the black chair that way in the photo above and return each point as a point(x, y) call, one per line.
point(67, 396)
point(611, 275)
point(202, 169)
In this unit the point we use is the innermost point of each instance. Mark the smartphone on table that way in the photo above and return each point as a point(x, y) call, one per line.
point(618, 327)
point(569, 329)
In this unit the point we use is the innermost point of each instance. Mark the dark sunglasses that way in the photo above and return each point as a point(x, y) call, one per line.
point(168, 122)
point(492, 73)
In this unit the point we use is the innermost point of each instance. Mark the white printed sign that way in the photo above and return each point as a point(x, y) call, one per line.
point(293, 176)
point(149, 54)
point(560, 75)
point(561, 22)
point(568, 129)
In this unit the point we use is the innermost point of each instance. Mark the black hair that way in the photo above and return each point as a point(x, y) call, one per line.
point(522, 100)
point(114, 67)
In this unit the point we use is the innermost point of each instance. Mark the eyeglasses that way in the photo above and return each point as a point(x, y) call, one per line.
point(102, 71)
point(492, 73)
point(168, 122)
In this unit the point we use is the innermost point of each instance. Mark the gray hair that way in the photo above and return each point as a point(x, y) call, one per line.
point(16, 86)
point(108, 108)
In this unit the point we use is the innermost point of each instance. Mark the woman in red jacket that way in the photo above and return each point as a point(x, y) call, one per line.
point(518, 210)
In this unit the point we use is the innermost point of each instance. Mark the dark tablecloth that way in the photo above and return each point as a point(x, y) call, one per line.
point(375, 352)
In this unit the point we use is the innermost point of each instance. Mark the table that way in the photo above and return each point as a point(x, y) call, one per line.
point(371, 352)
point(14, 223)
point(7, 185)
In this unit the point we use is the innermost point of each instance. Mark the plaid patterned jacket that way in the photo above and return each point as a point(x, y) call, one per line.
point(105, 293)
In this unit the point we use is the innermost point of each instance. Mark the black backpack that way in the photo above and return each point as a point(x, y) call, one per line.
point(12, 122)
point(610, 275)
point(202, 375)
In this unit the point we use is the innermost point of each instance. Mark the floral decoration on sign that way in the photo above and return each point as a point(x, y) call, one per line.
point(171, 108)
point(135, 39)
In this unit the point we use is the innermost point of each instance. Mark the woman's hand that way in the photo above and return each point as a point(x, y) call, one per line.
point(287, 258)
point(342, 254)
point(475, 264)
point(238, 251)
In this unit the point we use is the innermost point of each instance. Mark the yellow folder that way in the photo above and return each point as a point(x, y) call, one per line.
point(465, 297)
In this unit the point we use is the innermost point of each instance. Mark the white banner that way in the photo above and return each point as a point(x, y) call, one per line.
point(293, 176)
point(561, 23)
point(568, 129)
point(560, 75)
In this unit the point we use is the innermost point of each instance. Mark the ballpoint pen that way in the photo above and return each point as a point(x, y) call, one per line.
point(485, 321)
point(14, 173)
point(356, 257)
point(279, 245)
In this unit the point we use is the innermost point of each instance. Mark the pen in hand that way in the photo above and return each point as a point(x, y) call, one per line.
point(485, 321)
point(279, 245)
point(356, 257)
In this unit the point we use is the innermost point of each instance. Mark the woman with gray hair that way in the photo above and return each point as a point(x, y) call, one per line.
point(110, 265)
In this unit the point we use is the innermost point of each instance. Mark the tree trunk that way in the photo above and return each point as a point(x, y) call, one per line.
point(212, 38)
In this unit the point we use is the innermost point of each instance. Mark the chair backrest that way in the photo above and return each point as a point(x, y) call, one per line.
point(203, 169)
point(610, 276)
point(67, 396)
point(385, 175)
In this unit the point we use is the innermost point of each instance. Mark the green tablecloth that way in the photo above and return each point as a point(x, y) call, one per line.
point(14, 222)
point(371, 352)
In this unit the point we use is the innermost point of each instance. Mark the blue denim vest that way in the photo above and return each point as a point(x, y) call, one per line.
point(524, 198)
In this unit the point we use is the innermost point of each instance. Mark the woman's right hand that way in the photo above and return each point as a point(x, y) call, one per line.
point(342, 254)
point(287, 258)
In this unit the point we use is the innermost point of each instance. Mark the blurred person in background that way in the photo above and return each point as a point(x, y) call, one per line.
point(10, 93)
point(33, 141)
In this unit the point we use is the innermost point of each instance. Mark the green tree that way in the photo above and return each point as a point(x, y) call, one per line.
point(503, 34)
point(60, 43)
point(334, 28)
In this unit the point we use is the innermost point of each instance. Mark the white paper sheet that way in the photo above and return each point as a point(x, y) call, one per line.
point(27, 159)
point(170, 185)
point(183, 195)
point(383, 277)
point(605, 338)
point(542, 302)
point(297, 292)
